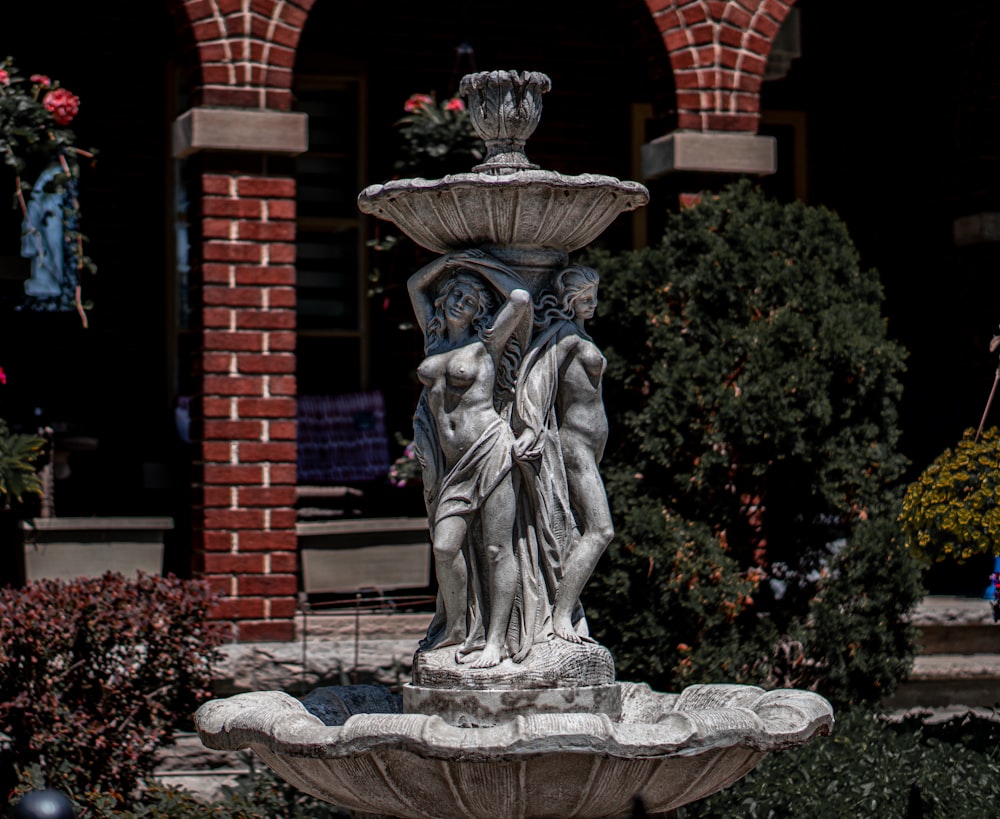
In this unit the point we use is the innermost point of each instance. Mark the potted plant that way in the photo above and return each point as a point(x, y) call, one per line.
point(952, 511)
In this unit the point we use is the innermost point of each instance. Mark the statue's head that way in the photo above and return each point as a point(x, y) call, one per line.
point(463, 300)
point(576, 290)
point(573, 296)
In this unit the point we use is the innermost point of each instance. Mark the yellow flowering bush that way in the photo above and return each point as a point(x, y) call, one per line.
point(951, 510)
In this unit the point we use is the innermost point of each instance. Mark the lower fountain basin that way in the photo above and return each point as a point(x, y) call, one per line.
point(670, 748)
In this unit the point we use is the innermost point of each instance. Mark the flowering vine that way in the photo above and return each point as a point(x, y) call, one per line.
point(35, 140)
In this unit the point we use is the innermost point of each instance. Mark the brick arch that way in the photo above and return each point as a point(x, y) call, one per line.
point(718, 52)
point(244, 49)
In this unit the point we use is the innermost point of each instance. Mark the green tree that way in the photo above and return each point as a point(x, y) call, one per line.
point(752, 391)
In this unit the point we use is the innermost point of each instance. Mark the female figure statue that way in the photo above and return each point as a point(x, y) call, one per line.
point(560, 407)
point(465, 444)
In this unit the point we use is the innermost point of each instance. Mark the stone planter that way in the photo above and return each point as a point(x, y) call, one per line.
point(66, 548)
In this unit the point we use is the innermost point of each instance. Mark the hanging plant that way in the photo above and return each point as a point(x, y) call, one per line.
point(953, 509)
point(40, 150)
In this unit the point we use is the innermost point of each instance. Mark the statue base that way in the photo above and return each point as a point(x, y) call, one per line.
point(557, 677)
point(554, 663)
point(468, 708)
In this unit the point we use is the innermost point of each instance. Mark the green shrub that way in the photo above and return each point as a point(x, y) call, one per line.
point(97, 674)
point(870, 767)
point(752, 393)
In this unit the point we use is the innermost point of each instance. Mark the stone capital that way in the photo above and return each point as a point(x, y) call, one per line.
point(714, 152)
point(239, 130)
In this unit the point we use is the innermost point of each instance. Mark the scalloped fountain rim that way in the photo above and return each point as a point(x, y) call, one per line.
point(673, 748)
point(487, 210)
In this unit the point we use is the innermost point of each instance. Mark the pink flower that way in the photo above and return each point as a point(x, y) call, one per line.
point(454, 104)
point(4, 77)
point(3, 376)
point(62, 105)
point(41, 79)
point(416, 102)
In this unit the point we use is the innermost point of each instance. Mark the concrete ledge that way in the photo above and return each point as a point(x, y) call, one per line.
point(240, 130)
point(976, 229)
point(709, 152)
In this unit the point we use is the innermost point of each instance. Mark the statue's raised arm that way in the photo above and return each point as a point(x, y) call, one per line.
point(426, 285)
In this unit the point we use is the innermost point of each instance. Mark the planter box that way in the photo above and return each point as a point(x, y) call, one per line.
point(368, 553)
point(67, 548)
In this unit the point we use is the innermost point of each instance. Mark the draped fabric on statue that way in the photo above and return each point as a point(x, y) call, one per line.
point(542, 528)
point(542, 467)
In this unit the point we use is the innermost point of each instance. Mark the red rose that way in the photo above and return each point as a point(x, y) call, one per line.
point(41, 79)
point(62, 105)
point(416, 102)
point(4, 77)
point(454, 104)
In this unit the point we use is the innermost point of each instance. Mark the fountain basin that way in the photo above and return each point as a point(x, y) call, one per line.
point(671, 748)
point(530, 209)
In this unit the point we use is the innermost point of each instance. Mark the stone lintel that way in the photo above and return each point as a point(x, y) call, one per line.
point(241, 130)
point(714, 152)
point(976, 229)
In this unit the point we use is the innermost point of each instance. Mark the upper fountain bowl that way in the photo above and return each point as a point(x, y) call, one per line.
point(526, 209)
point(506, 203)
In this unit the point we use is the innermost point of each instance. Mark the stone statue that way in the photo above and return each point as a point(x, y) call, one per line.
point(510, 444)
point(560, 406)
point(465, 444)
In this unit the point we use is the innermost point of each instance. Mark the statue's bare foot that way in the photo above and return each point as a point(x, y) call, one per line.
point(563, 627)
point(468, 647)
point(490, 657)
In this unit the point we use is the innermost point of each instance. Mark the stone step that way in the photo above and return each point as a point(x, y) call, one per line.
point(950, 679)
point(969, 638)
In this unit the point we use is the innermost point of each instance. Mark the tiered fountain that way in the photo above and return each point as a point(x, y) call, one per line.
point(513, 711)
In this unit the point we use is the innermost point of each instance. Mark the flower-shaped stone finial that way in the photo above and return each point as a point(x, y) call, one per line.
point(505, 107)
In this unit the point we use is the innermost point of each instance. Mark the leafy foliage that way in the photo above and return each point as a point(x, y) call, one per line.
point(34, 133)
point(19, 457)
point(436, 138)
point(753, 393)
point(33, 119)
point(871, 767)
point(97, 674)
point(953, 509)
point(858, 641)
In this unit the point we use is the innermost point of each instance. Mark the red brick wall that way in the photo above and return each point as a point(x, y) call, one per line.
point(246, 543)
point(718, 51)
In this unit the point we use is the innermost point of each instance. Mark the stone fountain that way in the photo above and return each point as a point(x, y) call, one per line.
point(513, 710)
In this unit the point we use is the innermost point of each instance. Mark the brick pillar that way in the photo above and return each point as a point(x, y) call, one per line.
point(244, 538)
point(239, 134)
point(718, 53)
